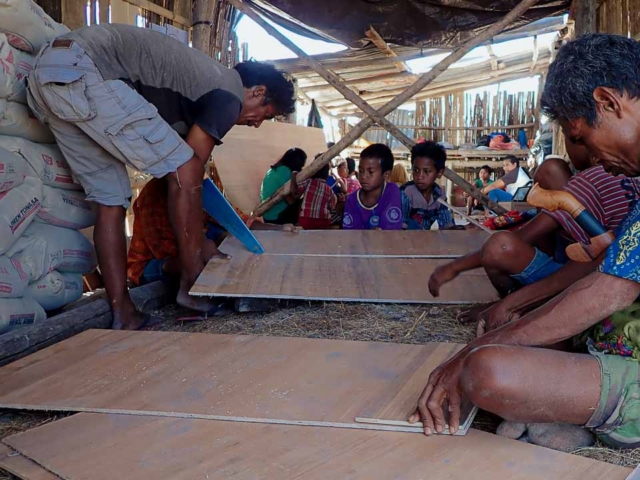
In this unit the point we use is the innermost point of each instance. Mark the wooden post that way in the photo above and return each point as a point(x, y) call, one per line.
point(585, 16)
point(202, 23)
point(378, 115)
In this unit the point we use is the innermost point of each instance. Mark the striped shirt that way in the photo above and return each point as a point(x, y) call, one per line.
point(607, 197)
point(318, 201)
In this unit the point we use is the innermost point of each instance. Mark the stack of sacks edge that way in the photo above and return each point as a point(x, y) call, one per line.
point(42, 255)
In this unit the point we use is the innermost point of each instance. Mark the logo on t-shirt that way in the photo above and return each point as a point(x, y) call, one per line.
point(347, 221)
point(394, 215)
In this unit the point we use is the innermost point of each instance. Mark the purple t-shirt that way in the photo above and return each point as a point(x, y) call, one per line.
point(387, 215)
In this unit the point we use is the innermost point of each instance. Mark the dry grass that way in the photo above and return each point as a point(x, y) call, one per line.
point(344, 321)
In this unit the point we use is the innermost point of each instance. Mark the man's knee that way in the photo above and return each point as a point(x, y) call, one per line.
point(498, 249)
point(481, 380)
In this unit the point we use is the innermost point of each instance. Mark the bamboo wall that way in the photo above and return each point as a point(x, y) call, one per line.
point(619, 16)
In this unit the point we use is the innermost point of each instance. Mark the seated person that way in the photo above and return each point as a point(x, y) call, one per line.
point(399, 175)
point(153, 253)
point(318, 200)
point(503, 189)
point(285, 211)
point(514, 259)
point(484, 179)
point(420, 206)
point(346, 172)
point(378, 204)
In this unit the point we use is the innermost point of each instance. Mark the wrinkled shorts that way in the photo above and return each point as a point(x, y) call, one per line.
point(616, 420)
point(540, 267)
point(101, 126)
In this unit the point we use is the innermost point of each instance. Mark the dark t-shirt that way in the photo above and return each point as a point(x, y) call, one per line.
point(185, 85)
point(510, 177)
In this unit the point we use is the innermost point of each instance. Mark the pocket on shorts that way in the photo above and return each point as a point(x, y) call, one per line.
point(144, 138)
point(622, 429)
point(64, 91)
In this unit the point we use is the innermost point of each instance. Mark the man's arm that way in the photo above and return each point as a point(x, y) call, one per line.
point(492, 186)
point(201, 142)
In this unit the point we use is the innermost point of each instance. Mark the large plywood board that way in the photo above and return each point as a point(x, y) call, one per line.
point(247, 154)
point(287, 379)
point(20, 466)
point(338, 278)
point(104, 447)
point(365, 243)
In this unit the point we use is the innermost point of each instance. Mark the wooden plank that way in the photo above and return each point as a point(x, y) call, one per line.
point(292, 379)
point(22, 467)
point(104, 447)
point(163, 12)
point(346, 279)
point(247, 154)
point(367, 243)
point(96, 314)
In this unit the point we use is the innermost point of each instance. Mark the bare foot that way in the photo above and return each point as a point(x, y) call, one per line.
point(471, 314)
point(199, 304)
point(132, 320)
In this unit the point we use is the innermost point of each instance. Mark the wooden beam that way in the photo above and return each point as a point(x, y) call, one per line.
point(378, 116)
point(492, 56)
point(163, 12)
point(379, 42)
point(424, 127)
point(585, 16)
point(534, 60)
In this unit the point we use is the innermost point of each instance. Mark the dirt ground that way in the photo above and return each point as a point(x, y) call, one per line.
point(344, 321)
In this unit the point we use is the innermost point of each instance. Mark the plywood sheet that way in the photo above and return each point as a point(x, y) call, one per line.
point(104, 447)
point(247, 154)
point(340, 243)
point(347, 279)
point(20, 466)
point(293, 379)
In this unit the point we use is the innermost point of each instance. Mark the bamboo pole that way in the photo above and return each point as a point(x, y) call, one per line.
point(378, 115)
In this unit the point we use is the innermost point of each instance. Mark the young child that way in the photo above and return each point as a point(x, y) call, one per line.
point(377, 205)
point(318, 200)
point(420, 206)
point(346, 170)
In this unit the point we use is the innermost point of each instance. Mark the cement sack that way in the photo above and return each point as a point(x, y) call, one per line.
point(26, 25)
point(17, 120)
point(13, 278)
point(66, 208)
point(44, 248)
point(46, 161)
point(18, 208)
point(19, 312)
point(13, 169)
point(56, 289)
point(15, 66)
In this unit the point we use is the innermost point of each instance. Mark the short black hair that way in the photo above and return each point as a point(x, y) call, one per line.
point(351, 164)
point(281, 91)
point(431, 150)
point(487, 168)
point(382, 153)
point(512, 159)
point(323, 173)
point(294, 159)
point(591, 61)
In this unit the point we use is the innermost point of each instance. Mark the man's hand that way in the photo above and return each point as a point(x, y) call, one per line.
point(290, 227)
point(441, 275)
point(210, 250)
point(443, 385)
point(495, 316)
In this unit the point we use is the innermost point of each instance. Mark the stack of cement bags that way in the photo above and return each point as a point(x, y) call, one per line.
point(42, 255)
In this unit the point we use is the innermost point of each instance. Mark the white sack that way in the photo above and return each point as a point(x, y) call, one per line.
point(15, 66)
point(19, 312)
point(56, 289)
point(17, 120)
point(13, 169)
point(44, 248)
point(18, 208)
point(67, 208)
point(13, 278)
point(46, 161)
point(27, 26)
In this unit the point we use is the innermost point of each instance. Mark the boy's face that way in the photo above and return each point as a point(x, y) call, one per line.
point(343, 170)
point(425, 173)
point(484, 175)
point(370, 174)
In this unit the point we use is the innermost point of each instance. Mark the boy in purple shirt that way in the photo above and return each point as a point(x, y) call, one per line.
point(378, 204)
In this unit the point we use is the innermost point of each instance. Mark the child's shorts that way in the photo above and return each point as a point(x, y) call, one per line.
point(540, 267)
point(616, 420)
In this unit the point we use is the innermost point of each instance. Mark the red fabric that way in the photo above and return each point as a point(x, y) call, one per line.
point(498, 143)
point(607, 197)
point(318, 201)
point(353, 185)
point(314, 223)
